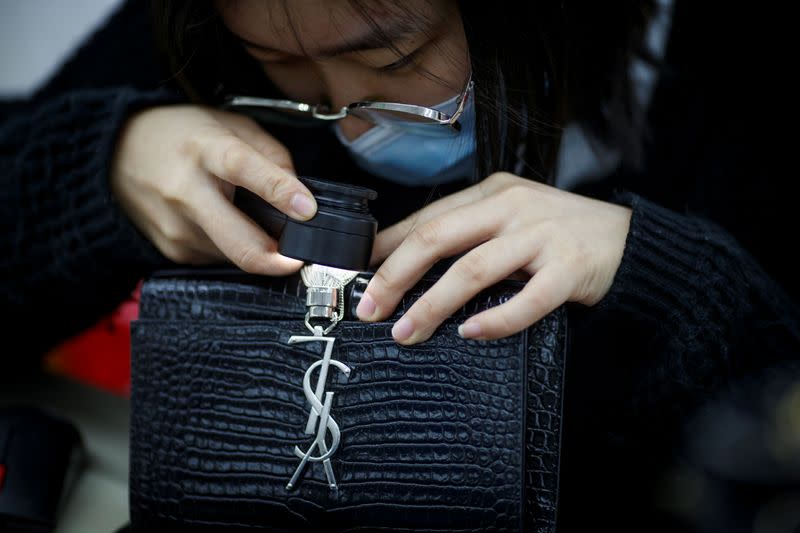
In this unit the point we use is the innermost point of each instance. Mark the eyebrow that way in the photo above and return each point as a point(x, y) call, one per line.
point(373, 40)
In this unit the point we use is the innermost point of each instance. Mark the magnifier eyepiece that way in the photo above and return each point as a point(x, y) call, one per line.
point(340, 235)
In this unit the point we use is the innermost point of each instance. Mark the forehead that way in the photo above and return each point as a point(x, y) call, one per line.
point(306, 27)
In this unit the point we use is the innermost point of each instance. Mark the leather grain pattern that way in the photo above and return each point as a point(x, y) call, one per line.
point(448, 435)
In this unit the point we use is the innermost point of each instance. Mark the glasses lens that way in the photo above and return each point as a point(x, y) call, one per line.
point(418, 123)
point(419, 119)
point(282, 112)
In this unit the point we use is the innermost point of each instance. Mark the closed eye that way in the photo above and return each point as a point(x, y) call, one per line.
point(401, 63)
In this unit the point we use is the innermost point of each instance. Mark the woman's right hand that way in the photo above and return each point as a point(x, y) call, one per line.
point(175, 170)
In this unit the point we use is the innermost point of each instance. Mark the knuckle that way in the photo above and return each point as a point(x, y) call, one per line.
point(495, 182)
point(175, 190)
point(386, 282)
point(248, 259)
point(235, 158)
point(190, 147)
point(518, 191)
point(496, 178)
point(426, 309)
point(486, 187)
point(174, 233)
point(277, 153)
point(515, 195)
point(276, 190)
point(178, 253)
point(428, 235)
point(473, 269)
point(237, 119)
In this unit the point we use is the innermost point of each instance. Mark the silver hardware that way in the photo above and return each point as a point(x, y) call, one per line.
point(322, 296)
point(325, 293)
point(319, 411)
point(321, 312)
point(324, 300)
point(329, 116)
point(400, 115)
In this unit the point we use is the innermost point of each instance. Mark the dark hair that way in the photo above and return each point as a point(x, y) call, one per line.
point(537, 65)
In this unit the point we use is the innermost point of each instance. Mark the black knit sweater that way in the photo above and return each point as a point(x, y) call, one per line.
point(704, 297)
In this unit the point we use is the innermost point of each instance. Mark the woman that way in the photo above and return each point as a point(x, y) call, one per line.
point(682, 294)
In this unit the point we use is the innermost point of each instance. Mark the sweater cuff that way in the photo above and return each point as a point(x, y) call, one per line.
point(671, 264)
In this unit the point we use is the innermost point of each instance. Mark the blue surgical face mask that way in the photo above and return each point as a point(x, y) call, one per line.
point(413, 158)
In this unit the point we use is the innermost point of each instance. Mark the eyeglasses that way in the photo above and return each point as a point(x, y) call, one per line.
point(421, 119)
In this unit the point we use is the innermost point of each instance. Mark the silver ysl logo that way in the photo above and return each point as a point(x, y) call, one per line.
point(319, 411)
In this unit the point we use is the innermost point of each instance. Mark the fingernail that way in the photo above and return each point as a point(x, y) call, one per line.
point(303, 205)
point(403, 329)
point(366, 307)
point(469, 330)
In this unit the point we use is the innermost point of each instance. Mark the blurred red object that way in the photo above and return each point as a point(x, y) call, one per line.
point(100, 355)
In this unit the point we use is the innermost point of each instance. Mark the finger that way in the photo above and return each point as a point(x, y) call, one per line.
point(202, 257)
point(547, 289)
point(390, 238)
point(192, 256)
point(250, 132)
point(236, 162)
point(242, 241)
point(177, 237)
point(201, 246)
point(196, 249)
point(444, 236)
point(481, 267)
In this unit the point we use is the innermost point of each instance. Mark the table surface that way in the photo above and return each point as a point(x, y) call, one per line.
point(98, 501)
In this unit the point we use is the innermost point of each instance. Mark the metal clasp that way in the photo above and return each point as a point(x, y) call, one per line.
point(322, 303)
point(325, 294)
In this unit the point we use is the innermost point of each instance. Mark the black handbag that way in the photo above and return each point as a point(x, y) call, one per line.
point(446, 435)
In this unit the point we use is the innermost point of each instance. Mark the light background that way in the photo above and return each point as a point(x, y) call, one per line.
point(37, 35)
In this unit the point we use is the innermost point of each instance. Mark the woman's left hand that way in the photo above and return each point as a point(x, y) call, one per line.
point(569, 247)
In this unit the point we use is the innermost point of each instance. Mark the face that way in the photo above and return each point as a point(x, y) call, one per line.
point(330, 50)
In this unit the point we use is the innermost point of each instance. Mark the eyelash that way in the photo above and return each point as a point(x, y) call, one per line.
point(400, 63)
point(391, 67)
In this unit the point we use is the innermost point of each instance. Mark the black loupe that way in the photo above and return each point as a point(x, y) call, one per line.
point(340, 235)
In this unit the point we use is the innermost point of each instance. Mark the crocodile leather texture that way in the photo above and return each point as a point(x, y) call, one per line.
point(447, 435)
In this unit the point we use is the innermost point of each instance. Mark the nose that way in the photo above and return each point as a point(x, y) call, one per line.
point(345, 85)
point(352, 127)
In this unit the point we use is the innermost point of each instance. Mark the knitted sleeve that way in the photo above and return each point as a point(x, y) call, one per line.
point(68, 253)
point(708, 312)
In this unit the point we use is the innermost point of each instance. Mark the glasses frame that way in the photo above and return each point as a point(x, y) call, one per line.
point(322, 112)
